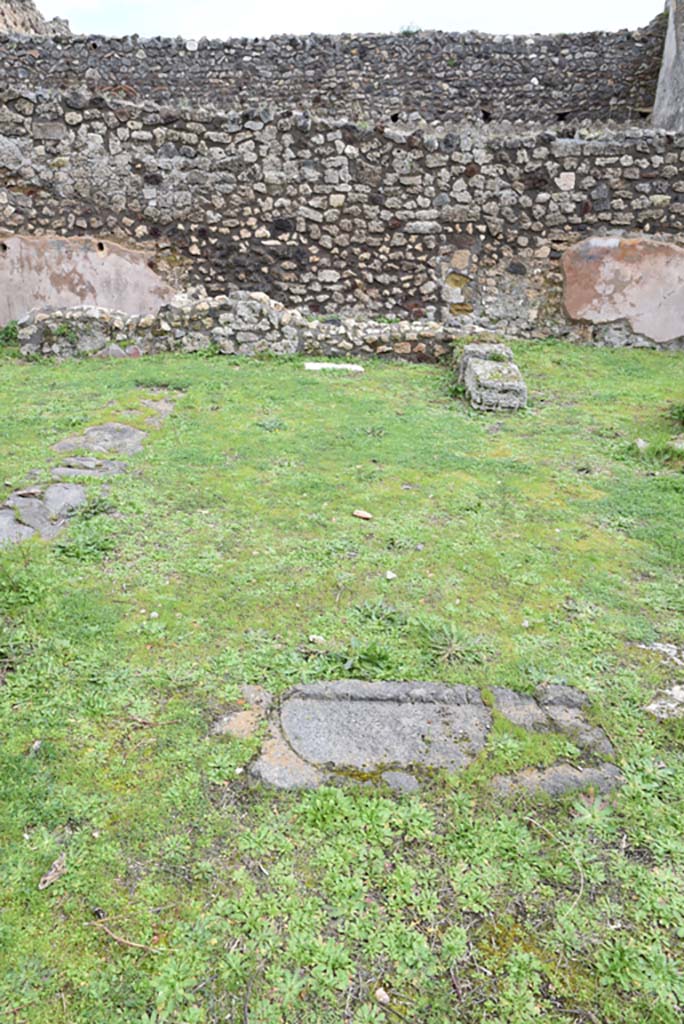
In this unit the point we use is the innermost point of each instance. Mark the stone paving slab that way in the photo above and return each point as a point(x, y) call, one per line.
point(36, 511)
point(349, 367)
point(391, 731)
point(11, 530)
point(553, 707)
point(372, 728)
point(560, 779)
point(109, 437)
point(46, 512)
point(279, 766)
point(83, 466)
point(668, 704)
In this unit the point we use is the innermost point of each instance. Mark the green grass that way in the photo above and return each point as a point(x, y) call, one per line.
point(538, 547)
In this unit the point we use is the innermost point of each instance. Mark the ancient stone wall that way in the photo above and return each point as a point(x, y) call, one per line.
point(334, 216)
point(443, 76)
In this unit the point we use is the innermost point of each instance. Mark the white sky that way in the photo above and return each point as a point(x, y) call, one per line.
point(222, 19)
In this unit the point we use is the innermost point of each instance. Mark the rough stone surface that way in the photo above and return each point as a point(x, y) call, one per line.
point(11, 530)
point(36, 511)
point(110, 437)
point(46, 510)
point(669, 652)
point(61, 499)
point(668, 111)
point(393, 731)
point(637, 281)
point(401, 782)
point(564, 707)
point(354, 724)
point(21, 17)
point(547, 79)
point(560, 779)
point(429, 177)
point(668, 704)
point(278, 765)
point(82, 466)
point(492, 381)
point(494, 351)
point(411, 220)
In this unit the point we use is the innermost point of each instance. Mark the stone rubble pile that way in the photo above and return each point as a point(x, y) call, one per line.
point(243, 323)
point(46, 510)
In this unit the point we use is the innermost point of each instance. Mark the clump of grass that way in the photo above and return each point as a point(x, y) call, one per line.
point(676, 413)
point(448, 644)
point(9, 336)
point(272, 424)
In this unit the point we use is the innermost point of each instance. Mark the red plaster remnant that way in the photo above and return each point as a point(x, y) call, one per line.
point(41, 272)
point(637, 280)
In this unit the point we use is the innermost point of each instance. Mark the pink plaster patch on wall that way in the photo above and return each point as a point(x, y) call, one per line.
point(40, 272)
point(638, 280)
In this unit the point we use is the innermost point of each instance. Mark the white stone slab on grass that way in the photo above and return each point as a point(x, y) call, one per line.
point(349, 367)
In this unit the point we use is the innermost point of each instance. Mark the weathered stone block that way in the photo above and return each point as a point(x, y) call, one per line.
point(492, 381)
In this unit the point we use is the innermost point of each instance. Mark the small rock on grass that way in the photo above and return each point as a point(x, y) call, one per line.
point(54, 874)
point(668, 704)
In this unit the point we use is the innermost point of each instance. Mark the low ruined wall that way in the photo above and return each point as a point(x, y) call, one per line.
point(443, 76)
point(244, 323)
point(338, 216)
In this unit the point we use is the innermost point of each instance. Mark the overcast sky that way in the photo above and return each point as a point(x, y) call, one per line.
point(222, 19)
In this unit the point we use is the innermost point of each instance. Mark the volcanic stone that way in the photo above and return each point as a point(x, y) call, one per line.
point(11, 530)
point(362, 725)
point(110, 437)
point(560, 779)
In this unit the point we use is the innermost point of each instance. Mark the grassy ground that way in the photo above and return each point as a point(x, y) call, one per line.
point(540, 547)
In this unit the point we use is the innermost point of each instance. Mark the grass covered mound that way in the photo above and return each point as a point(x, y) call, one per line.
point(503, 551)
